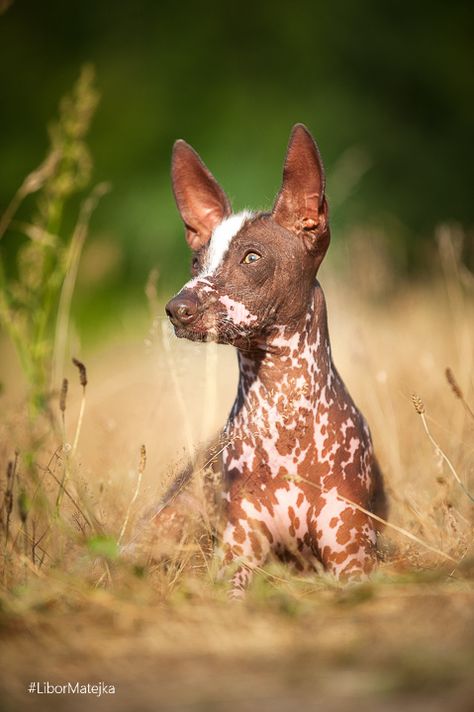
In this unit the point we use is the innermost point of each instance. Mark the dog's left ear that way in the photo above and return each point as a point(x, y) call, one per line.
point(301, 205)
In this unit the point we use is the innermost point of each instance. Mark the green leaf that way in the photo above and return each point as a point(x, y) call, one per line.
point(105, 546)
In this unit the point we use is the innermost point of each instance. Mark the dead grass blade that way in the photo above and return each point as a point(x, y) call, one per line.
point(420, 409)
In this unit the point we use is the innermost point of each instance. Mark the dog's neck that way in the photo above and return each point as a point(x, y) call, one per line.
point(294, 363)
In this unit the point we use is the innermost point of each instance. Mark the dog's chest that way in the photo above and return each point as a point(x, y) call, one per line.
point(290, 433)
point(284, 513)
point(314, 438)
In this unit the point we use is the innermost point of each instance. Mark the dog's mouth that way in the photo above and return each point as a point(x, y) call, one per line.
point(219, 336)
point(193, 334)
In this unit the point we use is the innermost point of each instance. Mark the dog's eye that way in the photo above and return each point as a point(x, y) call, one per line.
point(195, 264)
point(250, 258)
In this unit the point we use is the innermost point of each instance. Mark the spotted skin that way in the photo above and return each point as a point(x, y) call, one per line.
point(298, 452)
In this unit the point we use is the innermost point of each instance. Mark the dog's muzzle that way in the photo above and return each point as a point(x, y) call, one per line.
point(183, 309)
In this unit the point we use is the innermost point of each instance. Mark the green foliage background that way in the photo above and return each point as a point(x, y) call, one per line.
point(387, 89)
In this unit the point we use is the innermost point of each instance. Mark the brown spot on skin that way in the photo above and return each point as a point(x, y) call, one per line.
point(228, 556)
point(352, 548)
point(256, 545)
point(265, 531)
point(333, 556)
point(286, 440)
point(343, 535)
point(291, 527)
point(239, 534)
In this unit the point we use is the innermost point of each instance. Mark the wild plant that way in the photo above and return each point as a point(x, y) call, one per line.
point(36, 292)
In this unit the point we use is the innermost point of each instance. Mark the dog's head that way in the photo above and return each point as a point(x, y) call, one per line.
point(253, 273)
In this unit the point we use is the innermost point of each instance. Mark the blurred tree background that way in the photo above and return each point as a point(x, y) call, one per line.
point(386, 88)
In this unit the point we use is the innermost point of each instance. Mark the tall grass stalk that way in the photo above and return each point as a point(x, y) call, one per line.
point(420, 409)
point(141, 470)
point(178, 391)
point(35, 296)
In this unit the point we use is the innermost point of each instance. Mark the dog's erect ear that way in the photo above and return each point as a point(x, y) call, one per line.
point(201, 201)
point(300, 205)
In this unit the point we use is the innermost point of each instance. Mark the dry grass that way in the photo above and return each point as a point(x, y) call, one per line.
point(74, 608)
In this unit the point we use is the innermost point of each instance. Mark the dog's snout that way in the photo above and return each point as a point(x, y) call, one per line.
point(182, 310)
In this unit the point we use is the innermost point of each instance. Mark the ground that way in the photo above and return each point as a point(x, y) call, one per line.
point(387, 645)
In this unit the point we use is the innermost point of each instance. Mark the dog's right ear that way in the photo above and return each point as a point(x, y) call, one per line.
point(201, 201)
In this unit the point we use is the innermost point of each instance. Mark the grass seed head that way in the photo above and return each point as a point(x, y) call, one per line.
point(63, 395)
point(142, 465)
point(82, 371)
point(453, 383)
point(418, 404)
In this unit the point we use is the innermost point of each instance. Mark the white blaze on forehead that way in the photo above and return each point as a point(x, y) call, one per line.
point(221, 239)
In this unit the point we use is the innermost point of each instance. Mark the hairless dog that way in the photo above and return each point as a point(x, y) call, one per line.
point(299, 472)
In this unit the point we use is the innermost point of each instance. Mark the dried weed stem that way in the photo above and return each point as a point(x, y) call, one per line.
point(456, 389)
point(420, 409)
point(141, 470)
point(83, 381)
point(184, 411)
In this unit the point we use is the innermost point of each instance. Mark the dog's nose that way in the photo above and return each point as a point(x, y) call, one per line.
point(182, 310)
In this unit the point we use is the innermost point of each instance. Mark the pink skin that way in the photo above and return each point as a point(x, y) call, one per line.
point(298, 448)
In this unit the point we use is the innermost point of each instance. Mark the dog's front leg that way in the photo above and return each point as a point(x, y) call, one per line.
point(245, 549)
